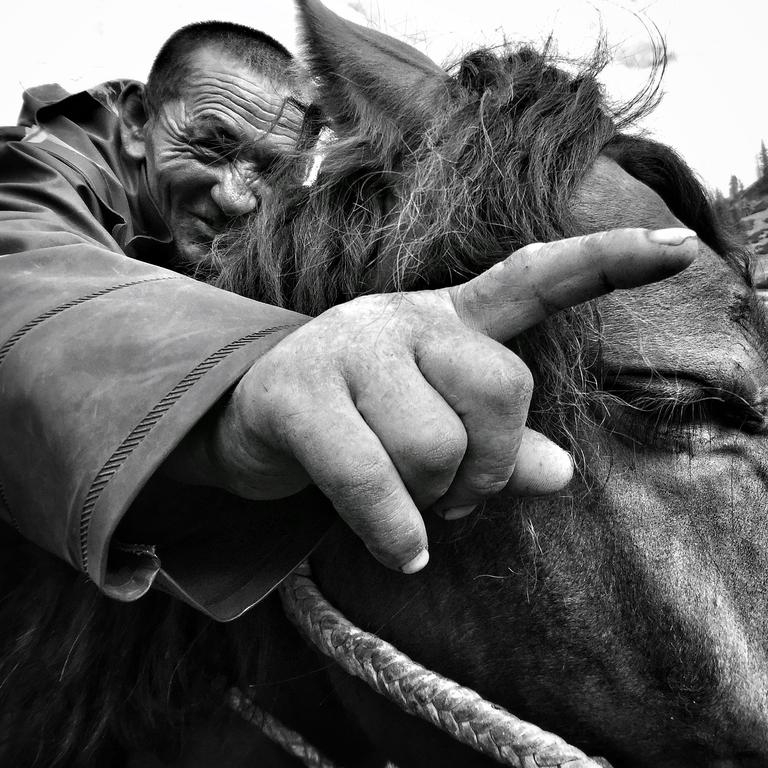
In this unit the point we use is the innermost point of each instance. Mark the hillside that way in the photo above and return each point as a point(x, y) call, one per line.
point(753, 204)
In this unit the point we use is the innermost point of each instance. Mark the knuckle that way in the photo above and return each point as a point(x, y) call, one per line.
point(509, 385)
point(518, 377)
point(489, 482)
point(431, 467)
point(437, 455)
point(293, 419)
point(599, 245)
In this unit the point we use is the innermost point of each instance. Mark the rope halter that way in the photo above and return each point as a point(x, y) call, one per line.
point(454, 709)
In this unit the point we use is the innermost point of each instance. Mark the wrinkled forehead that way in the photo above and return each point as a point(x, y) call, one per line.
point(230, 94)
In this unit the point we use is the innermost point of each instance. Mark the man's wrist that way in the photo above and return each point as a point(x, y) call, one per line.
point(196, 459)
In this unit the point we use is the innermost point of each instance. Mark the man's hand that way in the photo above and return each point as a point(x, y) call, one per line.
point(394, 403)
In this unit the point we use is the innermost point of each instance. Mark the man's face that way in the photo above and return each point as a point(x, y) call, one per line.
point(206, 152)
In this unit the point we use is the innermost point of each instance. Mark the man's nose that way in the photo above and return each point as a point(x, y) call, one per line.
point(233, 194)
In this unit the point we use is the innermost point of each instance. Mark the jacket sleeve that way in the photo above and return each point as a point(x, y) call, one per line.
point(105, 364)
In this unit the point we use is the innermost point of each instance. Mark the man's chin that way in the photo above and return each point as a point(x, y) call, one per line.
point(194, 259)
point(199, 249)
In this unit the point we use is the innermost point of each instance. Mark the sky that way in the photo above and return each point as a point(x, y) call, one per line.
point(715, 109)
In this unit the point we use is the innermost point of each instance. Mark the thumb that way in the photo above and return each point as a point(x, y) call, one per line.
point(541, 467)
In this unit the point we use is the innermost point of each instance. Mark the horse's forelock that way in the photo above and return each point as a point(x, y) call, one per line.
point(488, 175)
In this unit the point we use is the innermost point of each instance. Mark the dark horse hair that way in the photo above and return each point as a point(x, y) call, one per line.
point(82, 678)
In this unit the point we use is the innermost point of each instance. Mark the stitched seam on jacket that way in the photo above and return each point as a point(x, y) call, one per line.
point(139, 432)
point(48, 314)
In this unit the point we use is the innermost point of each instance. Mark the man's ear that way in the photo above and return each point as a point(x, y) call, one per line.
point(132, 113)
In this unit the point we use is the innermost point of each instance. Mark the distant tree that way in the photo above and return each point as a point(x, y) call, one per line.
point(722, 207)
point(762, 161)
point(729, 211)
point(734, 187)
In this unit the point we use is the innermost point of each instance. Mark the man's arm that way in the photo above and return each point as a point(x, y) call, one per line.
point(105, 364)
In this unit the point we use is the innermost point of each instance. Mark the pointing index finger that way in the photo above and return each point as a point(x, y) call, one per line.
point(543, 278)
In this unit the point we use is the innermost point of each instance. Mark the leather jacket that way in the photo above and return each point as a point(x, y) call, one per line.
point(107, 359)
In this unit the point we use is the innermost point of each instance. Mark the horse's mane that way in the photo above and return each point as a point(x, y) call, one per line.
point(81, 674)
point(490, 174)
point(494, 172)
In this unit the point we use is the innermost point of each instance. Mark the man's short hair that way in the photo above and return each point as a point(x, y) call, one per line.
point(258, 52)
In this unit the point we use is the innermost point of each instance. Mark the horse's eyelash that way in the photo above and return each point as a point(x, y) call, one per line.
point(666, 426)
point(661, 411)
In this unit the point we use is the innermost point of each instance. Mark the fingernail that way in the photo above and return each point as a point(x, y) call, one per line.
point(417, 563)
point(456, 513)
point(672, 236)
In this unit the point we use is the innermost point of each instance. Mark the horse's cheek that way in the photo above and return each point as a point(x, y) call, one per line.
point(696, 524)
point(691, 535)
point(643, 591)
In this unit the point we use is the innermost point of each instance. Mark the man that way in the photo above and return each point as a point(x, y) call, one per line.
point(214, 90)
point(148, 173)
point(123, 384)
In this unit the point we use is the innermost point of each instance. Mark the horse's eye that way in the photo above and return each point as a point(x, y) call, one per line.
point(673, 410)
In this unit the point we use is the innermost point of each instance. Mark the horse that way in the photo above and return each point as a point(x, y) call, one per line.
point(625, 614)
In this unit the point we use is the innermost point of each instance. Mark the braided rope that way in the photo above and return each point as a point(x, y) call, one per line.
point(291, 741)
point(459, 711)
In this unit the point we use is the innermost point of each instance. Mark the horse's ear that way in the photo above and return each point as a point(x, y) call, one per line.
point(367, 79)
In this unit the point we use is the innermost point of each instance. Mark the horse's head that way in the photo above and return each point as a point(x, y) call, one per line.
point(628, 614)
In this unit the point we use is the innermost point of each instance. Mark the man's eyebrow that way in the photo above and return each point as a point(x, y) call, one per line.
point(213, 127)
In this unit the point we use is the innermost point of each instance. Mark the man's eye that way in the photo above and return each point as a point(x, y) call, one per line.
point(213, 150)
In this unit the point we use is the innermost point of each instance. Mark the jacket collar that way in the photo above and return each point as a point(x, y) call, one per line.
point(83, 129)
